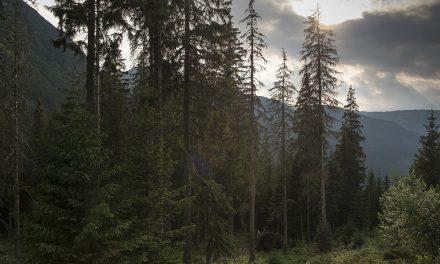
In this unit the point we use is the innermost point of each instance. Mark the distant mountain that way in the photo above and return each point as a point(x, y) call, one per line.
point(408, 119)
point(391, 138)
point(49, 71)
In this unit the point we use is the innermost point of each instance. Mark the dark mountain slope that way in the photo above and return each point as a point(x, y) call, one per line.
point(49, 71)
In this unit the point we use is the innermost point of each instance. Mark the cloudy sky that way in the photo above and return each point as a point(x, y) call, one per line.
point(389, 49)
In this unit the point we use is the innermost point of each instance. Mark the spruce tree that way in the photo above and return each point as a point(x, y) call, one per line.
point(281, 97)
point(233, 66)
point(427, 161)
point(306, 127)
point(199, 21)
point(350, 156)
point(255, 44)
point(75, 216)
point(319, 56)
point(151, 202)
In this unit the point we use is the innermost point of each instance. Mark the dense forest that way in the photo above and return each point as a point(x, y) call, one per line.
point(187, 164)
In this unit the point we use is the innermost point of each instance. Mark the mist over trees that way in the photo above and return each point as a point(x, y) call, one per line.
point(182, 166)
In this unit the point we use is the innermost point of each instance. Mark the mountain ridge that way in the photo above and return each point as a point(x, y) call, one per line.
point(390, 143)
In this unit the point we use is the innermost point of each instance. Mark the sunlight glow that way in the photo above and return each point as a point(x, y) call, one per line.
point(427, 86)
point(334, 11)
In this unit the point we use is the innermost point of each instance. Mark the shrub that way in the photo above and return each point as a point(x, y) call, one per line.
point(409, 218)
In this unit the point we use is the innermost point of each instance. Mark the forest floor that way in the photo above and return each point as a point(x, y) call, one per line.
point(371, 252)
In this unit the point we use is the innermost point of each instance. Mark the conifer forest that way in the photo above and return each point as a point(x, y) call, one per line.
point(190, 155)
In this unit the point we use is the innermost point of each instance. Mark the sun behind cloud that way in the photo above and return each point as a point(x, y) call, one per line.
point(333, 11)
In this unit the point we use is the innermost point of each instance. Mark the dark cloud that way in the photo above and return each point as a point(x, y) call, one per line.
point(381, 45)
point(399, 41)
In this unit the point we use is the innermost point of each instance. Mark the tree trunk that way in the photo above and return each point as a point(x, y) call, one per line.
point(323, 233)
point(252, 161)
point(157, 60)
point(91, 54)
point(187, 162)
point(323, 243)
point(308, 187)
point(16, 91)
point(301, 219)
point(97, 67)
point(231, 211)
point(252, 205)
point(283, 160)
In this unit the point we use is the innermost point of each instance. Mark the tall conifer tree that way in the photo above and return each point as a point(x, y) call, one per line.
point(319, 56)
point(306, 127)
point(282, 97)
point(350, 156)
point(255, 44)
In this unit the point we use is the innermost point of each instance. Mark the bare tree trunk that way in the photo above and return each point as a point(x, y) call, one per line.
point(187, 256)
point(283, 160)
point(323, 238)
point(252, 161)
point(252, 204)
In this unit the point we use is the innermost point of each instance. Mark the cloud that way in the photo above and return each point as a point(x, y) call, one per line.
point(383, 91)
point(398, 41)
point(400, 52)
point(391, 56)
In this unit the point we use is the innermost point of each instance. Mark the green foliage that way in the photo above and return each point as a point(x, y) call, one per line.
point(306, 254)
point(150, 201)
point(427, 161)
point(347, 170)
point(75, 218)
point(87, 211)
point(409, 218)
point(367, 255)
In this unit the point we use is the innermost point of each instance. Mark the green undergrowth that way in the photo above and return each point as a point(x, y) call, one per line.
point(371, 252)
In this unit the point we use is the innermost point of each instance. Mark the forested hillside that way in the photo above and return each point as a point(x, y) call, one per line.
point(189, 164)
point(49, 72)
